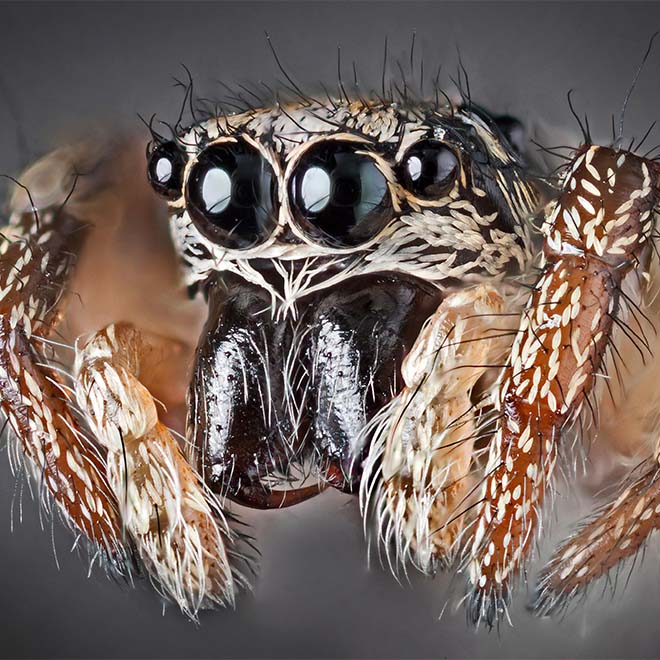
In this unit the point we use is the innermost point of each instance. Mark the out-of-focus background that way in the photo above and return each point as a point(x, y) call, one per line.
point(65, 66)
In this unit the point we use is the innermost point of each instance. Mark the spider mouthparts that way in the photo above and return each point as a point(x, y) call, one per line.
point(282, 400)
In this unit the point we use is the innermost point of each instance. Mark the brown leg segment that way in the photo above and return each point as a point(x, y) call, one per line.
point(617, 532)
point(420, 480)
point(623, 524)
point(37, 253)
point(595, 234)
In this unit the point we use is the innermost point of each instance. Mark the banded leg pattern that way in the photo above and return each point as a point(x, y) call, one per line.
point(174, 520)
point(37, 255)
point(615, 533)
point(594, 235)
point(420, 475)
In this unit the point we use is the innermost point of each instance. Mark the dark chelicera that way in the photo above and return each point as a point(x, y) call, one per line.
point(271, 396)
point(268, 396)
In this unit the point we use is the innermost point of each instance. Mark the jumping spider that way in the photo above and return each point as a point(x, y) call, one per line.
point(383, 316)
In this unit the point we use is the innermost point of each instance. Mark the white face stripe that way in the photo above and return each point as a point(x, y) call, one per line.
point(458, 236)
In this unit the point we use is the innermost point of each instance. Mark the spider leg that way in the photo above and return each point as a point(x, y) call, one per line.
point(618, 529)
point(38, 249)
point(419, 479)
point(594, 235)
point(615, 533)
point(175, 521)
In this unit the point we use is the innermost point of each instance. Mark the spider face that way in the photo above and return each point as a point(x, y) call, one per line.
point(324, 237)
point(382, 317)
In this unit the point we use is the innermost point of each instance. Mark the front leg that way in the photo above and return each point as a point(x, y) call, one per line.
point(595, 234)
point(420, 479)
point(176, 523)
point(38, 250)
point(617, 531)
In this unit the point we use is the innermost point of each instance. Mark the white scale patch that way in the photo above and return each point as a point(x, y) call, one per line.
point(434, 240)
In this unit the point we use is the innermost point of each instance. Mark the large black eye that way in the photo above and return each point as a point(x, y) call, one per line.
point(339, 197)
point(230, 195)
point(428, 169)
point(165, 169)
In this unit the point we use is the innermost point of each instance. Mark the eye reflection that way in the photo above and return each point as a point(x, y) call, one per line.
point(165, 170)
point(414, 165)
point(216, 190)
point(315, 190)
point(429, 169)
point(339, 196)
point(230, 195)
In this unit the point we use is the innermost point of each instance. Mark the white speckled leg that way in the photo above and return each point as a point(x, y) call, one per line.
point(175, 521)
point(420, 474)
point(38, 251)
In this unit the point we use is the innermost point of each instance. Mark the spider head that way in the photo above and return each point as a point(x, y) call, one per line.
point(324, 236)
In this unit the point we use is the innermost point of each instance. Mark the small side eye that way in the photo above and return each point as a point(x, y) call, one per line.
point(165, 170)
point(230, 195)
point(428, 169)
point(513, 131)
point(339, 196)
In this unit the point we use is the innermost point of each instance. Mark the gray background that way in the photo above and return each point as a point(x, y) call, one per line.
point(68, 64)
